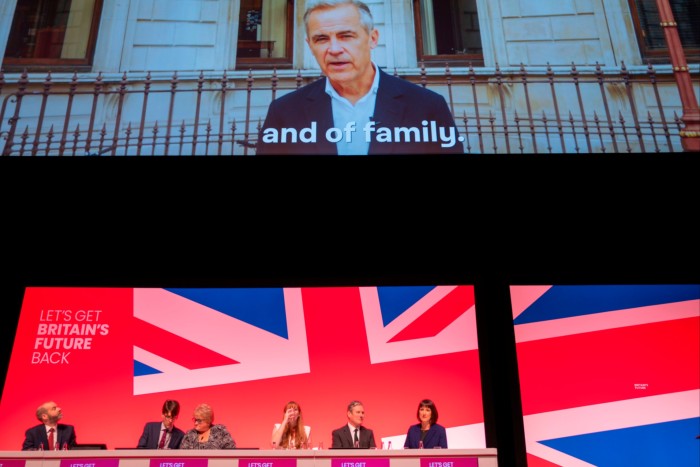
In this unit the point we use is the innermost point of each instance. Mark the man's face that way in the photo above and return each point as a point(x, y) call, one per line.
point(53, 413)
point(169, 420)
point(356, 415)
point(340, 45)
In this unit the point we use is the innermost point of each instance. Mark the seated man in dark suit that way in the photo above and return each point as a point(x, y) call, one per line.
point(354, 435)
point(163, 435)
point(356, 108)
point(49, 434)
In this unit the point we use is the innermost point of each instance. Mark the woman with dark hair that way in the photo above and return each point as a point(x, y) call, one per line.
point(291, 433)
point(427, 433)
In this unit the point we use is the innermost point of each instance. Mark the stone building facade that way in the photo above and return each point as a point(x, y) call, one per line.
point(137, 45)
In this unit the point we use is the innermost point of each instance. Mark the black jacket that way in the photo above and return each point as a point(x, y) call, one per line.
point(400, 104)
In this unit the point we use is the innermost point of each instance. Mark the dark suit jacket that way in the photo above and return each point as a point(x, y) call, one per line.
point(36, 436)
point(151, 436)
point(399, 104)
point(436, 436)
point(342, 438)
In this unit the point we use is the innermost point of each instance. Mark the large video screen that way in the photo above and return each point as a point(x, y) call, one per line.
point(609, 374)
point(110, 357)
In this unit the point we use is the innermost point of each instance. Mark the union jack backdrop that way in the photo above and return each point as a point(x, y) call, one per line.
point(110, 356)
point(609, 375)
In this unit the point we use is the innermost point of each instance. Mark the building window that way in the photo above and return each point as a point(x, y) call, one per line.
point(447, 31)
point(265, 34)
point(53, 33)
point(650, 34)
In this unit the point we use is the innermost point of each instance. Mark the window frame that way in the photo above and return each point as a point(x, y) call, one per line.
point(245, 63)
point(440, 59)
point(59, 64)
point(660, 55)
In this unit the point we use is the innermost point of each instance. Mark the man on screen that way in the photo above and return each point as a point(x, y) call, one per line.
point(356, 109)
point(49, 435)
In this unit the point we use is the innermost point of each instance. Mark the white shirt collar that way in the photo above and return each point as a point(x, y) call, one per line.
point(330, 90)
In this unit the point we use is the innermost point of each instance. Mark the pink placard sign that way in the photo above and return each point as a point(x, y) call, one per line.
point(360, 462)
point(182, 462)
point(449, 462)
point(87, 462)
point(12, 462)
point(267, 462)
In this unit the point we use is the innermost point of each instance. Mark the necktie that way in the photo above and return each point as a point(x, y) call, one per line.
point(357, 441)
point(161, 444)
point(51, 430)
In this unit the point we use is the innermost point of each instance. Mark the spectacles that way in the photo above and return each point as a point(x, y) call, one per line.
point(170, 417)
point(199, 420)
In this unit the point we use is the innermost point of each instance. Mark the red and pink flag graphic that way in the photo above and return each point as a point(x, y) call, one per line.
point(110, 357)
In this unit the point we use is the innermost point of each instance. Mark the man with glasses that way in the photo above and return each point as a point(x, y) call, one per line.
point(164, 434)
point(353, 434)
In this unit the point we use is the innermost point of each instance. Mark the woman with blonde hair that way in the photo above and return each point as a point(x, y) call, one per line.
point(206, 434)
point(291, 433)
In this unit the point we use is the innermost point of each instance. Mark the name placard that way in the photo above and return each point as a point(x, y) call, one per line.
point(185, 462)
point(449, 462)
point(360, 462)
point(269, 462)
point(89, 462)
point(12, 462)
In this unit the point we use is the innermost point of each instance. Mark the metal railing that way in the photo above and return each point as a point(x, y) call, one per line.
point(567, 110)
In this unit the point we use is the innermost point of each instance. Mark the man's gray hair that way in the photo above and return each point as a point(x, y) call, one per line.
point(366, 19)
point(353, 404)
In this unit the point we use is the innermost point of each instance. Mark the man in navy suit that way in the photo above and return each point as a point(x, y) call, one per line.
point(356, 109)
point(163, 435)
point(354, 434)
point(37, 438)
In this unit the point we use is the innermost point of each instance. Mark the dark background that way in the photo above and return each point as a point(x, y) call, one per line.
point(491, 221)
